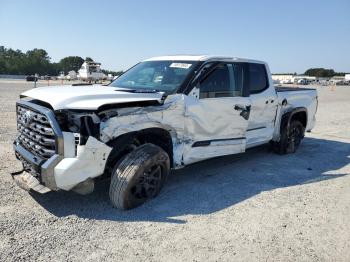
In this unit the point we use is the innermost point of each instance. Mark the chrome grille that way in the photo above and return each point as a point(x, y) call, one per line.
point(35, 132)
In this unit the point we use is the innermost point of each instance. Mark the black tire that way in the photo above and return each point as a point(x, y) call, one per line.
point(291, 137)
point(139, 176)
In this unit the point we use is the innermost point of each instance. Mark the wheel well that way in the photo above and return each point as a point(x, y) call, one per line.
point(125, 143)
point(300, 116)
point(159, 137)
point(297, 114)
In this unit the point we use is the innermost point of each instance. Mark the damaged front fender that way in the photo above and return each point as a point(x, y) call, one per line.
point(169, 116)
point(89, 163)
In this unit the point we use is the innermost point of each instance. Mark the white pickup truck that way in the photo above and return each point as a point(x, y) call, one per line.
point(163, 113)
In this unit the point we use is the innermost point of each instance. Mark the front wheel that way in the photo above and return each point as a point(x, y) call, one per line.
point(290, 138)
point(139, 176)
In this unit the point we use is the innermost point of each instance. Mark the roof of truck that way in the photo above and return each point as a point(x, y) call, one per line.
point(201, 58)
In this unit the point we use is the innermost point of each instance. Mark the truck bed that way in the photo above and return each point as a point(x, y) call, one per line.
point(298, 97)
point(290, 88)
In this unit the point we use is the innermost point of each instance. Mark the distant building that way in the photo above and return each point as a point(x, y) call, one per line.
point(290, 78)
point(347, 77)
point(337, 79)
point(282, 77)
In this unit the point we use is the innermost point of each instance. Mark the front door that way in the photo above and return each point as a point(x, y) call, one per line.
point(216, 121)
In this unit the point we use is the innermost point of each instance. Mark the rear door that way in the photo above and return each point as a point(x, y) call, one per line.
point(264, 104)
point(216, 119)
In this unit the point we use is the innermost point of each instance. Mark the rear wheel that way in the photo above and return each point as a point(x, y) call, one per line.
point(139, 177)
point(290, 138)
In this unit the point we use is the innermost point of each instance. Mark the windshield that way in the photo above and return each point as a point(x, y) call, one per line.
point(165, 76)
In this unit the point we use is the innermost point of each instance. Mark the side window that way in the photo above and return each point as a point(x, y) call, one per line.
point(257, 78)
point(225, 81)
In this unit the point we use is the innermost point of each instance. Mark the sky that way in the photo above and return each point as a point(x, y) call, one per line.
point(291, 36)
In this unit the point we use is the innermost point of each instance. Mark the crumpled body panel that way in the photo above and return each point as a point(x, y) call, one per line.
point(169, 116)
point(188, 120)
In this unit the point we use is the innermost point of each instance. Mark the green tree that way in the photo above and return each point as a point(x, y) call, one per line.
point(320, 72)
point(71, 63)
point(12, 61)
point(54, 69)
point(37, 61)
point(34, 61)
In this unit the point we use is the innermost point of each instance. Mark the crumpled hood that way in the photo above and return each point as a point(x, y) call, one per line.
point(89, 97)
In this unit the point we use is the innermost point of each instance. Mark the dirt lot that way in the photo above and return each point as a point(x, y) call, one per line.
point(253, 207)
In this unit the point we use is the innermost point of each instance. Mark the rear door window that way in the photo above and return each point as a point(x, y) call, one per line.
point(257, 78)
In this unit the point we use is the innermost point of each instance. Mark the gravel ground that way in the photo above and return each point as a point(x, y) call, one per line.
point(252, 207)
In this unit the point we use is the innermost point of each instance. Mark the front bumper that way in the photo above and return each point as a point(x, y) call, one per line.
point(67, 164)
point(28, 182)
point(63, 172)
point(36, 169)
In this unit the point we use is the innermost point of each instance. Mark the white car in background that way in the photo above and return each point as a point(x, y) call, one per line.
point(302, 82)
point(72, 75)
point(287, 81)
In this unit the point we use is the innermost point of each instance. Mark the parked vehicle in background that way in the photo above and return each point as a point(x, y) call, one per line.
point(32, 78)
point(342, 83)
point(302, 82)
point(72, 75)
point(110, 77)
point(323, 82)
point(286, 81)
point(47, 77)
point(61, 76)
point(347, 78)
point(164, 113)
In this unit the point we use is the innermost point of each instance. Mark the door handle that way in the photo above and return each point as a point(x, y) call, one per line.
point(245, 111)
point(240, 107)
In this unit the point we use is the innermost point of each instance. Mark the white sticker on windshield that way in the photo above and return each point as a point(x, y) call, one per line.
point(181, 65)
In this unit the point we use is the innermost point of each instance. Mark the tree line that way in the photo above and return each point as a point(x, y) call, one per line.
point(322, 72)
point(317, 72)
point(37, 61)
